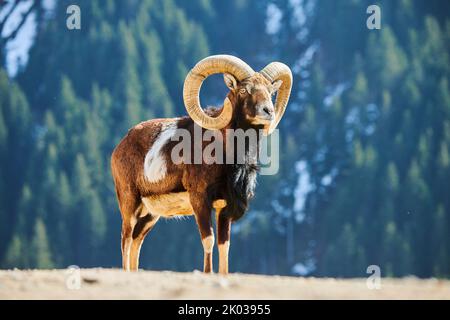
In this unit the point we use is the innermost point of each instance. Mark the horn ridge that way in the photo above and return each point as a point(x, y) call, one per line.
point(279, 71)
point(193, 82)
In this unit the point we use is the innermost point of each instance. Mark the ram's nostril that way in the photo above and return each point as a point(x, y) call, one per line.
point(266, 110)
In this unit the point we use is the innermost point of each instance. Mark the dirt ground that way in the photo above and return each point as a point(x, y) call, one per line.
point(116, 284)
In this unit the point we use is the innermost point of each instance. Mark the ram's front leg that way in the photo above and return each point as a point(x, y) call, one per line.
point(202, 209)
point(223, 226)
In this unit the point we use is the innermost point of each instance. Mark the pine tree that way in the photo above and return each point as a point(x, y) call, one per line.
point(368, 120)
point(39, 247)
point(15, 141)
point(15, 254)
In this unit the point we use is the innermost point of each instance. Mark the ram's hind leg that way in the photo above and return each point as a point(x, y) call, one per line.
point(126, 240)
point(130, 208)
point(143, 226)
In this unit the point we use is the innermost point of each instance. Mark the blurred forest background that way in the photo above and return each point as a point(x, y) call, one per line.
point(365, 166)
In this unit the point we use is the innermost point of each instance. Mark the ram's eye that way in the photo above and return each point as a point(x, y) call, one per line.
point(242, 91)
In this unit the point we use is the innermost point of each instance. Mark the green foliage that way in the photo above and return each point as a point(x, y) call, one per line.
point(15, 254)
point(39, 247)
point(365, 163)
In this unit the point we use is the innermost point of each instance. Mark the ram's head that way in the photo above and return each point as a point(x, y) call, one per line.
point(250, 96)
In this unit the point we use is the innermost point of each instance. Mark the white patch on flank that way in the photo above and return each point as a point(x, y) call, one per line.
point(154, 164)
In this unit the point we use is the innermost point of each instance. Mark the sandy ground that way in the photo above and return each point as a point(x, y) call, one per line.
point(116, 284)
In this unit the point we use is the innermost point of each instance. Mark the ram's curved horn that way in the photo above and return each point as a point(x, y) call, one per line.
point(279, 71)
point(193, 82)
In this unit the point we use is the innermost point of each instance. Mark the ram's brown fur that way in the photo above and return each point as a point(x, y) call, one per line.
point(202, 184)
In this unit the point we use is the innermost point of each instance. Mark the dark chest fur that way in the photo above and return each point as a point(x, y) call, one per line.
point(240, 188)
point(241, 176)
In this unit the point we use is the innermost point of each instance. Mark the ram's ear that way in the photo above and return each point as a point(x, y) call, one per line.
point(230, 81)
point(276, 85)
